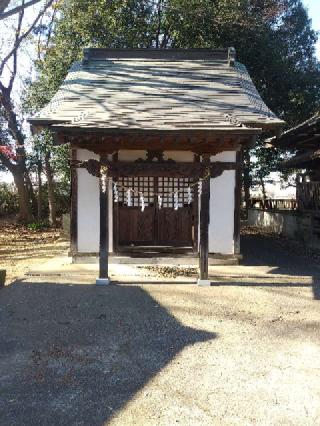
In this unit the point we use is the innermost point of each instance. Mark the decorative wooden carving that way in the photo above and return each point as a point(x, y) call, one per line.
point(154, 157)
point(129, 169)
point(93, 167)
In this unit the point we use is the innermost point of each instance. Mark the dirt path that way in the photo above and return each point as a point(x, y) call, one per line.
point(22, 248)
point(242, 352)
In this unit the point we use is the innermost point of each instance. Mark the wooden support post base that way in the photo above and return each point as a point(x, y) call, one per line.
point(2, 277)
point(103, 281)
point(203, 283)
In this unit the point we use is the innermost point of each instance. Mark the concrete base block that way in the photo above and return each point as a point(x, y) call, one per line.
point(103, 281)
point(204, 283)
point(157, 259)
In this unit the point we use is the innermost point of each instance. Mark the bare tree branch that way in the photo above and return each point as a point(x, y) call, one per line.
point(5, 3)
point(23, 36)
point(50, 26)
point(15, 55)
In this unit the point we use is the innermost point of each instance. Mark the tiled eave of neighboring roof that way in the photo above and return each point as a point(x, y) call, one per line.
point(152, 90)
point(302, 160)
point(296, 137)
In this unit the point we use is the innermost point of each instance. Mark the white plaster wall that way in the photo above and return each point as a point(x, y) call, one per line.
point(183, 156)
point(89, 208)
point(228, 156)
point(124, 155)
point(222, 203)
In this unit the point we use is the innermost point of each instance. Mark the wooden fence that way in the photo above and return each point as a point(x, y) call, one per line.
point(308, 199)
point(274, 204)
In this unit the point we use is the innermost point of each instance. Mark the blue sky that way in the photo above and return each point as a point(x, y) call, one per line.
point(313, 7)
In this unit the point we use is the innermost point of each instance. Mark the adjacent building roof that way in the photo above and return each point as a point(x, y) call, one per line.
point(149, 89)
point(302, 140)
point(303, 160)
point(304, 136)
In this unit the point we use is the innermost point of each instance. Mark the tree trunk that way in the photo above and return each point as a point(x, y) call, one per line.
point(263, 187)
point(25, 214)
point(39, 170)
point(30, 190)
point(51, 194)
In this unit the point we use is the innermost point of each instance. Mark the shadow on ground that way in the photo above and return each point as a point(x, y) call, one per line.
point(260, 250)
point(76, 354)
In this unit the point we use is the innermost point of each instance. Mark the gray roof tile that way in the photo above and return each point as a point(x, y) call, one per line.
point(144, 92)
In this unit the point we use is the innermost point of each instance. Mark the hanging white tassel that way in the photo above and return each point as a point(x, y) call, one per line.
point(189, 195)
point(159, 201)
point(115, 192)
point(200, 188)
point(176, 200)
point(142, 202)
point(129, 197)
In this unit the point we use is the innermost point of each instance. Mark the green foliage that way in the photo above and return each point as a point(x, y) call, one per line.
point(273, 38)
point(9, 201)
point(59, 155)
point(38, 226)
point(62, 197)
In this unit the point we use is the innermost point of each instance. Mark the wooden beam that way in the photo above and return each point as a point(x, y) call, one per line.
point(200, 142)
point(156, 169)
point(74, 207)
point(204, 224)
point(104, 224)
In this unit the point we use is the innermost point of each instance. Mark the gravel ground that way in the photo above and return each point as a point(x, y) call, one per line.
point(242, 352)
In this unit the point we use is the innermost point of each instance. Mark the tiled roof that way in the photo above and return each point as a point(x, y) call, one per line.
point(303, 136)
point(146, 89)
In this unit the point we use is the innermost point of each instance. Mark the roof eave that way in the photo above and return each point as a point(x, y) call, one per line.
point(218, 130)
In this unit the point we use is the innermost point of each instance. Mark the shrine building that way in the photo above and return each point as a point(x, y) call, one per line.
point(156, 140)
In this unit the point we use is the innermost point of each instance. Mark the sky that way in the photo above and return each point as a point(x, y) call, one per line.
point(313, 7)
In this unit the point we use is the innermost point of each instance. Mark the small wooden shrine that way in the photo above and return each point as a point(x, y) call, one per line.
point(156, 139)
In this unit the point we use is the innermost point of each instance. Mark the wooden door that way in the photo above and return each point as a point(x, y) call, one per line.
point(134, 226)
point(174, 226)
point(155, 226)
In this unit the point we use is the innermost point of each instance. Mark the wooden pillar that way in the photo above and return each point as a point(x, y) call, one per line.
point(104, 234)
point(204, 227)
point(74, 207)
point(195, 214)
point(237, 202)
point(115, 221)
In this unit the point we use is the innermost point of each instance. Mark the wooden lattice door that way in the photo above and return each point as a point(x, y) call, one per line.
point(174, 227)
point(154, 226)
point(134, 226)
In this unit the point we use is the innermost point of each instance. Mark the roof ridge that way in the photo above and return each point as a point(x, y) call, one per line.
point(92, 54)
